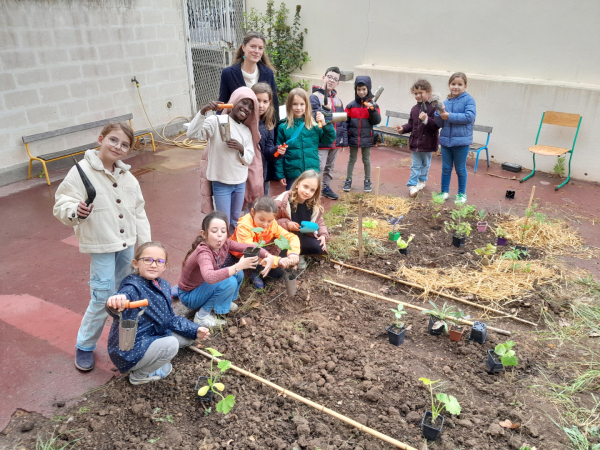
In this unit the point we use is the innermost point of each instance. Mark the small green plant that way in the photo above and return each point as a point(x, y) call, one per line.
point(447, 402)
point(486, 251)
point(42, 174)
point(442, 314)
point(500, 232)
point(52, 443)
point(514, 254)
point(559, 167)
point(481, 214)
point(456, 316)
point(399, 312)
point(207, 411)
point(506, 353)
point(369, 223)
point(226, 403)
point(83, 409)
point(152, 441)
point(402, 243)
point(437, 200)
point(459, 224)
point(259, 230)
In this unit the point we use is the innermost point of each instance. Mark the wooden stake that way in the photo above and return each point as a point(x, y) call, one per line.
point(408, 305)
point(441, 294)
point(306, 401)
point(377, 173)
point(531, 197)
point(360, 231)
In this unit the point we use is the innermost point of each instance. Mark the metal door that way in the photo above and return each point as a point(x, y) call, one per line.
point(214, 32)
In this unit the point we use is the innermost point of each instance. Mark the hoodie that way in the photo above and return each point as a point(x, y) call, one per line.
point(361, 119)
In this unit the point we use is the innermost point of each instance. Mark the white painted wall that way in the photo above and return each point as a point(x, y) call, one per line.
point(522, 58)
point(64, 63)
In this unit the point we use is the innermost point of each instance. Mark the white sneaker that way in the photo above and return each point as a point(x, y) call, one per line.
point(149, 379)
point(460, 199)
point(233, 307)
point(444, 195)
point(420, 185)
point(413, 191)
point(208, 321)
point(301, 263)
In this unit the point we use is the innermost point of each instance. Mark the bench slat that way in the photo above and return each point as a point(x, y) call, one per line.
point(482, 128)
point(399, 115)
point(68, 152)
point(73, 129)
point(141, 132)
point(392, 131)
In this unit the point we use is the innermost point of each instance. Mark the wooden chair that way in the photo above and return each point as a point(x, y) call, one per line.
point(562, 120)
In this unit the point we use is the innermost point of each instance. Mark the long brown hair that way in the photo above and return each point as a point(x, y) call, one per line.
point(315, 201)
point(140, 250)
point(308, 120)
point(205, 226)
point(239, 54)
point(269, 116)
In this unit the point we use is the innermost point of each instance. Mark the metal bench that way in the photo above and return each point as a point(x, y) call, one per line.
point(76, 150)
point(473, 147)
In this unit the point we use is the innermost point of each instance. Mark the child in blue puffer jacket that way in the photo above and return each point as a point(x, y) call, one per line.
point(456, 135)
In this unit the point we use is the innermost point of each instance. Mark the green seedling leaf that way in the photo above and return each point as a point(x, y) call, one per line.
point(203, 390)
point(224, 365)
point(283, 243)
point(225, 405)
point(219, 386)
point(214, 352)
point(426, 381)
point(510, 360)
point(452, 405)
point(257, 230)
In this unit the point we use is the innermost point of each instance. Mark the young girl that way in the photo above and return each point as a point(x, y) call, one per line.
point(303, 137)
point(456, 135)
point(205, 282)
point(264, 95)
point(160, 332)
point(302, 203)
point(107, 229)
point(231, 172)
point(262, 215)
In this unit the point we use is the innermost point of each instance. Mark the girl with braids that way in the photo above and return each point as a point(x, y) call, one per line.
point(206, 281)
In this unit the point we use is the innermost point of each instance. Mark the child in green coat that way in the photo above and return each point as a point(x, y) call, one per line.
point(298, 139)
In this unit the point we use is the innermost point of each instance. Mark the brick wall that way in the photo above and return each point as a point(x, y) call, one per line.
point(63, 63)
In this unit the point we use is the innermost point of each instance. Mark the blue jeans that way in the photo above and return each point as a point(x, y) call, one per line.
point(458, 157)
point(107, 270)
point(216, 296)
point(229, 199)
point(419, 168)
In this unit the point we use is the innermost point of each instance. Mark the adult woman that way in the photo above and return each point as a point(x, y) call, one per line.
point(250, 66)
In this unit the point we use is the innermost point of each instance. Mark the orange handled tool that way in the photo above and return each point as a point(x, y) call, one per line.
point(277, 152)
point(136, 304)
point(225, 106)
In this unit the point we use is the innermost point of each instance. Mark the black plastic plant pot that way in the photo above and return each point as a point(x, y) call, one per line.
point(492, 364)
point(479, 332)
point(458, 241)
point(396, 335)
point(251, 252)
point(501, 241)
point(209, 397)
point(523, 249)
point(434, 331)
point(429, 430)
point(404, 251)
point(510, 194)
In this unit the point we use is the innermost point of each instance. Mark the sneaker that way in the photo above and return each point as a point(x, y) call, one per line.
point(347, 185)
point(84, 360)
point(444, 195)
point(162, 372)
point(328, 193)
point(208, 321)
point(302, 263)
point(258, 283)
point(420, 185)
point(368, 186)
point(135, 381)
point(460, 199)
point(413, 191)
point(233, 307)
point(174, 292)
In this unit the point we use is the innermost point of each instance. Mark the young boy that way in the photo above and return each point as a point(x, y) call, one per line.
point(328, 154)
point(424, 136)
point(361, 119)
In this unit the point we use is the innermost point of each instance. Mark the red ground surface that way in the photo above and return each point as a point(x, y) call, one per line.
point(43, 277)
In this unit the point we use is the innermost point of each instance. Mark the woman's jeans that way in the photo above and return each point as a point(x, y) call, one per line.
point(107, 270)
point(366, 159)
point(229, 199)
point(458, 157)
point(217, 296)
point(419, 168)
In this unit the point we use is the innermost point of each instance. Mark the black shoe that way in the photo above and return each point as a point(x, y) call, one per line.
point(84, 360)
point(328, 193)
point(368, 186)
point(347, 185)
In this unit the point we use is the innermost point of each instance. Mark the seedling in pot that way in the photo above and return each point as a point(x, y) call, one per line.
point(396, 331)
point(437, 200)
point(506, 357)
point(486, 251)
point(394, 235)
point(251, 252)
point(403, 245)
point(459, 225)
point(226, 403)
point(456, 331)
point(501, 234)
point(438, 317)
point(444, 401)
point(481, 224)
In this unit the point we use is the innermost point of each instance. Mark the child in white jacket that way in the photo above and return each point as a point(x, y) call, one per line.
point(107, 229)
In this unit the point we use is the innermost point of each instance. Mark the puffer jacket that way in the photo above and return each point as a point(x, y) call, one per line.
point(284, 214)
point(316, 102)
point(118, 218)
point(361, 120)
point(423, 136)
point(267, 147)
point(302, 153)
point(457, 131)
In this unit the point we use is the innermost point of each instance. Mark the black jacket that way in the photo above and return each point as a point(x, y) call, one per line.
point(232, 78)
point(316, 103)
point(423, 137)
point(360, 118)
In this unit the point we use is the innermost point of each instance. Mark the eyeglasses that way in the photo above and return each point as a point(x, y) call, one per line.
point(114, 143)
point(336, 80)
point(149, 261)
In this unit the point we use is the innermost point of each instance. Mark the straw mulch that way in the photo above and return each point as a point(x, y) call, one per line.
point(380, 231)
point(555, 237)
point(389, 205)
point(502, 279)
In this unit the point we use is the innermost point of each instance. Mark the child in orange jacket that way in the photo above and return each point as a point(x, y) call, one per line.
point(262, 215)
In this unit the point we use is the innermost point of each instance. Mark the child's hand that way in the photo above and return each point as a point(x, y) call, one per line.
point(293, 259)
point(248, 263)
point(281, 150)
point(399, 129)
point(84, 210)
point(320, 118)
point(212, 106)
point(445, 115)
point(268, 263)
point(235, 145)
point(283, 182)
point(322, 241)
point(117, 302)
point(284, 262)
point(368, 105)
point(203, 333)
point(293, 226)
point(422, 116)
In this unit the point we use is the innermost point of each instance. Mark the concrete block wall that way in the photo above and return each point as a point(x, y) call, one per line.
point(63, 63)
